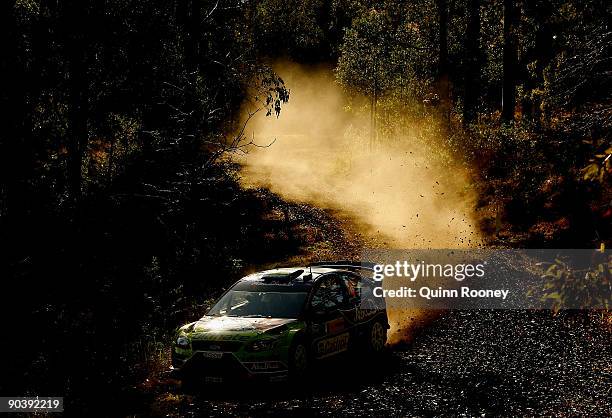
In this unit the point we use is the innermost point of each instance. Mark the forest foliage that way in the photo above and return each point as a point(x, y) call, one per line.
point(118, 212)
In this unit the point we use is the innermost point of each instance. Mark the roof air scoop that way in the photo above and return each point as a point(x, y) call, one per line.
point(282, 277)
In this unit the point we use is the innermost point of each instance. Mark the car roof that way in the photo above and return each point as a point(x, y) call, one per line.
point(298, 276)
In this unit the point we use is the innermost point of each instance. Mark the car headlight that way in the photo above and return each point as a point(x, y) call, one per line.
point(182, 341)
point(262, 345)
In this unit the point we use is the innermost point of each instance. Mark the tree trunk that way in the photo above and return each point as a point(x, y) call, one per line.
point(443, 82)
point(78, 93)
point(375, 102)
point(193, 43)
point(473, 63)
point(181, 14)
point(371, 144)
point(373, 134)
point(189, 19)
point(11, 139)
point(78, 122)
point(541, 53)
point(509, 63)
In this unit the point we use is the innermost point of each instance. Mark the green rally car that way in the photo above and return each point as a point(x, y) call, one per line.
point(275, 323)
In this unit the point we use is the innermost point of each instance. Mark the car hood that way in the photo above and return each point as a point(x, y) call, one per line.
point(212, 324)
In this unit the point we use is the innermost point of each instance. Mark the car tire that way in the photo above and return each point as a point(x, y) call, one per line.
point(299, 362)
point(376, 338)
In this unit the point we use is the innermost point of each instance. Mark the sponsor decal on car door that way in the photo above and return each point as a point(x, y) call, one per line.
point(333, 345)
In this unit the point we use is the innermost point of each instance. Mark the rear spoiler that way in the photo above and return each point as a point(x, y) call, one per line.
point(345, 264)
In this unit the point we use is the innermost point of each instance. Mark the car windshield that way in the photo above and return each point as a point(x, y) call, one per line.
point(267, 304)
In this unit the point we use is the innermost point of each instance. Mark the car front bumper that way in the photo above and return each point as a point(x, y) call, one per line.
point(218, 367)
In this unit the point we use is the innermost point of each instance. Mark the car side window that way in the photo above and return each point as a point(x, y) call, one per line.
point(353, 288)
point(330, 295)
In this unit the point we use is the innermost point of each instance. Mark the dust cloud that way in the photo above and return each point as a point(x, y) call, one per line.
point(402, 189)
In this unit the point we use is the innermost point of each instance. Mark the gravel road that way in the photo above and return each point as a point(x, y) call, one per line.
point(467, 363)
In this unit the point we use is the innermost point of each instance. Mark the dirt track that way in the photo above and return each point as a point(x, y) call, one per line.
point(485, 363)
point(465, 363)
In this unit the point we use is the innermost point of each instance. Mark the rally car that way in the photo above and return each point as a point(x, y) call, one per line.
point(275, 324)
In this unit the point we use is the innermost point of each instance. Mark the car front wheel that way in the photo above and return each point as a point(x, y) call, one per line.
point(299, 362)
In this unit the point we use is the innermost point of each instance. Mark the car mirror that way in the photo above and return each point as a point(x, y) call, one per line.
point(206, 306)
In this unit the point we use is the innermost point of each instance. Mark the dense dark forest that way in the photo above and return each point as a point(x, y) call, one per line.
point(119, 212)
